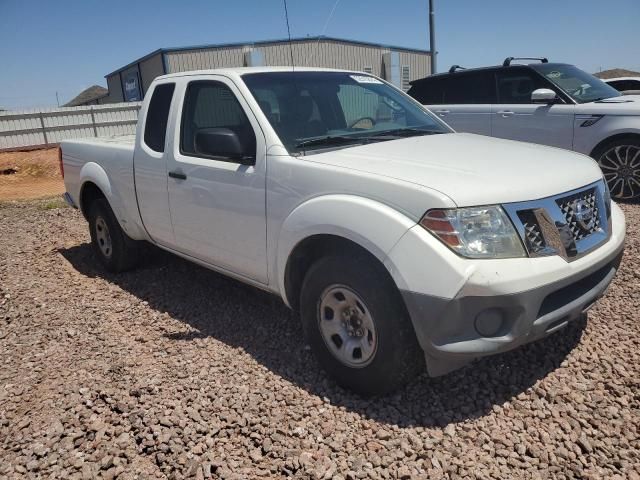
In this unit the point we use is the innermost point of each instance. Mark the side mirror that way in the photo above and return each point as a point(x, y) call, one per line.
point(223, 143)
point(543, 95)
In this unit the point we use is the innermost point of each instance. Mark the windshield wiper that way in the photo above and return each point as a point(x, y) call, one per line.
point(405, 132)
point(330, 141)
point(334, 140)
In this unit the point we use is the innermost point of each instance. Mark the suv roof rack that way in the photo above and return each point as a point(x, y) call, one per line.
point(508, 60)
point(456, 67)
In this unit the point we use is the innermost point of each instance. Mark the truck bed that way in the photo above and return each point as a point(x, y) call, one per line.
point(108, 162)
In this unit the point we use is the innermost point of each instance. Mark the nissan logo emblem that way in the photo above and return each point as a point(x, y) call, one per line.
point(584, 214)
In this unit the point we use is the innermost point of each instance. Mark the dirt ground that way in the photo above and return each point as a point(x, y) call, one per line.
point(30, 175)
point(173, 371)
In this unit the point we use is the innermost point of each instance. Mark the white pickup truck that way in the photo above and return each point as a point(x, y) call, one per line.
point(402, 244)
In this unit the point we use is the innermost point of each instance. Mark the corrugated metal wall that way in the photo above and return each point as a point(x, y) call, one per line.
point(150, 69)
point(185, 60)
point(308, 53)
point(115, 89)
point(418, 63)
point(326, 53)
point(50, 126)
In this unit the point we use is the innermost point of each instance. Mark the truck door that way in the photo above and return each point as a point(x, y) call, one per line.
point(150, 164)
point(217, 201)
point(515, 117)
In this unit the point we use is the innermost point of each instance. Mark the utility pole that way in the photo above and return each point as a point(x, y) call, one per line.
point(432, 37)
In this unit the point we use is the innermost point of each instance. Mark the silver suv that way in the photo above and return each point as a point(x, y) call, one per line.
point(548, 103)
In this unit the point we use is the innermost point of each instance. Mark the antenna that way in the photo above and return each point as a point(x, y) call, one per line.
point(286, 16)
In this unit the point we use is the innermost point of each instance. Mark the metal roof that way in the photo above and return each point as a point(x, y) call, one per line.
point(265, 42)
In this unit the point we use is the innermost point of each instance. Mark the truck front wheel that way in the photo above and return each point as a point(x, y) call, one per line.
point(357, 325)
point(115, 250)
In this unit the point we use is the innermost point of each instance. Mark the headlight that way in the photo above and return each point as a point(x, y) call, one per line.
point(476, 232)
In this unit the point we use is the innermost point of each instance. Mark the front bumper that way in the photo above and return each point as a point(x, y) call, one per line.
point(501, 304)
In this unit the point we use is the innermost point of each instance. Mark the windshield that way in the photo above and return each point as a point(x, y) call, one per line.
point(580, 85)
point(314, 110)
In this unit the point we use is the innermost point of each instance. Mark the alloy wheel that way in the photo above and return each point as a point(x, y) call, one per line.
point(621, 168)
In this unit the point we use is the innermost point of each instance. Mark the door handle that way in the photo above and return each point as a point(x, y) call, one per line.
point(505, 113)
point(178, 175)
point(442, 112)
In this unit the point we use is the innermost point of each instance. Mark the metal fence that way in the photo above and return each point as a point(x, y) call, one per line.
point(38, 128)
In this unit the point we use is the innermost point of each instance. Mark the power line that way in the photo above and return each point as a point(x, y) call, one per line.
point(324, 29)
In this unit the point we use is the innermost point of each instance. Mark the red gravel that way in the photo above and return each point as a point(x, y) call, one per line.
point(173, 371)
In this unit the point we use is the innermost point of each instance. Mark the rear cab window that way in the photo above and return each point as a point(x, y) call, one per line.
point(155, 130)
point(456, 88)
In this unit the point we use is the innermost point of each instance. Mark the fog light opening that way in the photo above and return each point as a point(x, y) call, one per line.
point(490, 322)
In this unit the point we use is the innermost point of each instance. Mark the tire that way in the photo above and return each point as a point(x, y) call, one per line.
point(619, 160)
point(114, 249)
point(363, 297)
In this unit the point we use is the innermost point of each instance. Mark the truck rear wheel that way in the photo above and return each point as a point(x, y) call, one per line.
point(358, 326)
point(115, 250)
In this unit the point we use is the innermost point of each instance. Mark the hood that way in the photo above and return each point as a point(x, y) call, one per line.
point(471, 169)
point(623, 105)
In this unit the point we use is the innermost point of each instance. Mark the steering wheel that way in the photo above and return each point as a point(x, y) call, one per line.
point(581, 90)
point(353, 124)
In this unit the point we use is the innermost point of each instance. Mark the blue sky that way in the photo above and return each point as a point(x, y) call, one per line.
point(68, 45)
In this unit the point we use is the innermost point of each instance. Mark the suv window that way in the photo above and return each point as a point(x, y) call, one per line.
point(624, 85)
point(456, 88)
point(470, 88)
point(210, 104)
point(515, 85)
point(428, 91)
point(155, 130)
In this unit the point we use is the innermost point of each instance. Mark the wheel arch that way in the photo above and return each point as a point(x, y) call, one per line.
point(613, 138)
point(94, 184)
point(310, 250)
point(334, 223)
point(89, 192)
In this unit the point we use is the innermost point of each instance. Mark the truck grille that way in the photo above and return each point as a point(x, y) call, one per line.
point(567, 206)
point(534, 240)
point(569, 225)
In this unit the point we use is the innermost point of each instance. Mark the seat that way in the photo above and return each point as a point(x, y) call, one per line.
point(297, 119)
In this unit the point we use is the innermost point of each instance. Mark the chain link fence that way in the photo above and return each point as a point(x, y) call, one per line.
point(31, 174)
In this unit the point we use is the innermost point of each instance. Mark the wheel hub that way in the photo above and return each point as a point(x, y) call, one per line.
point(103, 237)
point(346, 326)
point(352, 322)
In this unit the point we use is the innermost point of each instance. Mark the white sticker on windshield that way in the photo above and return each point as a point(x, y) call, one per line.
point(365, 79)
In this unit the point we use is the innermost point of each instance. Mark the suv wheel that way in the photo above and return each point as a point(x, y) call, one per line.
point(357, 325)
point(620, 164)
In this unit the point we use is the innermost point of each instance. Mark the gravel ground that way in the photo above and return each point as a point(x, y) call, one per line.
point(174, 371)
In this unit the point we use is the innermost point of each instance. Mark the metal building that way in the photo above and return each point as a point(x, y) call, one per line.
point(397, 65)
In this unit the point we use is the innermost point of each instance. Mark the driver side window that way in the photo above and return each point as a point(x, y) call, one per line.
point(515, 86)
point(212, 105)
